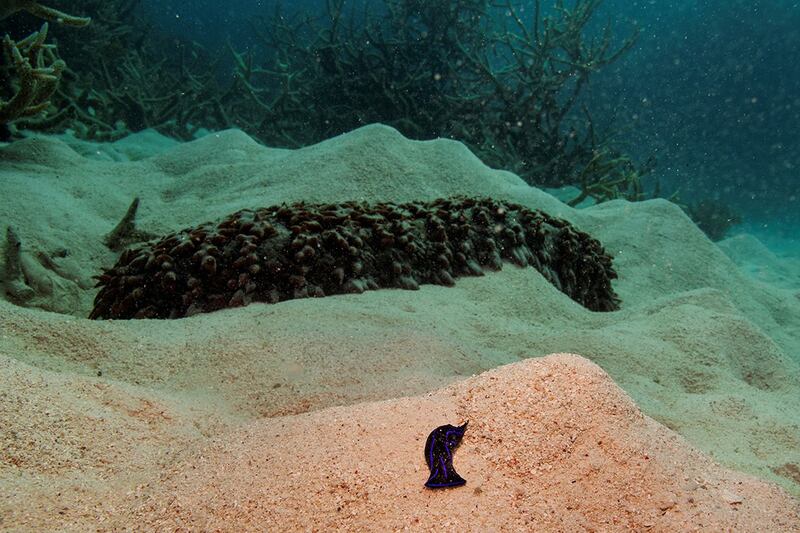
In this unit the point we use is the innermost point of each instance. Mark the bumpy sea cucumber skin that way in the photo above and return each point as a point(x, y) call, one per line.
point(311, 250)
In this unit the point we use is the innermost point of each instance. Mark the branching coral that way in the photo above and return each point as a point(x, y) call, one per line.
point(504, 77)
point(610, 175)
point(538, 75)
point(301, 250)
point(9, 7)
point(31, 69)
point(715, 218)
point(121, 77)
point(506, 81)
point(125, 78)
point(36, 71)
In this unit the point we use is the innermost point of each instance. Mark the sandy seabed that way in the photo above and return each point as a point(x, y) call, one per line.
point(312, 414)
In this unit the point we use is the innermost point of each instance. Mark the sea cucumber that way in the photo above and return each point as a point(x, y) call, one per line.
point(304, 250)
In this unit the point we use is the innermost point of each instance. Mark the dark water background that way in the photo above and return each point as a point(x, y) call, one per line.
point(712, 89)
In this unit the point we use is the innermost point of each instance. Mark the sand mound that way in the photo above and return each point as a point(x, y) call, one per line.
point(552, 444)
point(73, 447)
point(751, 256)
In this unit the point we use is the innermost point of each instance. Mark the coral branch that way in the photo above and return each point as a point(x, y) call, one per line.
point(483, 72)
point(9, 7)
point(37, 71)
point(125, 233)
point(503, 76)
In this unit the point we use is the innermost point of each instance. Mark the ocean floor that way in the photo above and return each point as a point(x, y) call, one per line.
point(680, 411)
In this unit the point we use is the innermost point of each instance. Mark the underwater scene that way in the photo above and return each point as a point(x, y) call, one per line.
point(381, 265)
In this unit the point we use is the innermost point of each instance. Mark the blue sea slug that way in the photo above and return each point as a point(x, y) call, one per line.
point(439, 456)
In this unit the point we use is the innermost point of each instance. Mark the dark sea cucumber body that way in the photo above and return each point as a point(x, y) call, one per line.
point(313, 250)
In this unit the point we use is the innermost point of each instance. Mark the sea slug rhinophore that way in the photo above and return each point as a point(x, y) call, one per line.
point(310, 250)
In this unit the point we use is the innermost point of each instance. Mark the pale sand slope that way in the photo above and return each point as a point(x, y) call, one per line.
point(758, 261)
point(552, 444)
point(698, 345)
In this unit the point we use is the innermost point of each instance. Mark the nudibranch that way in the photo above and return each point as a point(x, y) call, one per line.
point(439, 456)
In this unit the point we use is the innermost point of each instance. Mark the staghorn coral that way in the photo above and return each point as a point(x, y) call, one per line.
point(123, 76)
point(36, 69)
point(302, 250)
point(9, 7)
point(715, 218)
point(505, 77)
point(126, 76)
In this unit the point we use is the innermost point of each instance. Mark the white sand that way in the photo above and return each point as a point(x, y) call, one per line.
point(699, 345)
point(551, 444)
point(761, 263)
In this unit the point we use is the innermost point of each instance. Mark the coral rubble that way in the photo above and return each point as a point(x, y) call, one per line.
point(14, 279)
point(303, 250)
point(126, 233)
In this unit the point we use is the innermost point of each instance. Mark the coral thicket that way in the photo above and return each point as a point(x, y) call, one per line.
point(505, 77)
